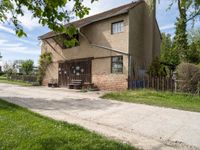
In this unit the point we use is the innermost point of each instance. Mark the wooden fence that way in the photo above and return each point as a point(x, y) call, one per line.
point(26, 78)
point(158, 83)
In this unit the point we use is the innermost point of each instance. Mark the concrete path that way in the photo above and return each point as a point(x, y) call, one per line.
point(143, 126)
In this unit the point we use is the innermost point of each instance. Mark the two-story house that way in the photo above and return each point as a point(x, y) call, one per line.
point(113, 46)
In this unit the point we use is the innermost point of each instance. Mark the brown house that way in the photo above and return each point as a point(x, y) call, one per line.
point(113, 46)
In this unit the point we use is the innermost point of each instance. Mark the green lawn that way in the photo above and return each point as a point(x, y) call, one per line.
point(21, 129)
point(5, 80)
point(164, 99)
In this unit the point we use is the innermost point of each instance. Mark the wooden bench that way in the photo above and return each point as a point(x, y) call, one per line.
point(75, 84)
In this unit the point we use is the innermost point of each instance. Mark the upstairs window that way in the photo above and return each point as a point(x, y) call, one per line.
point(117, 64)
point(117, 27)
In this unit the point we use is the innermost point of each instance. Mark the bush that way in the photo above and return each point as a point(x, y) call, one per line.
point(188, 77)
point(157, 69)
point(25, 78)
point(44, 62)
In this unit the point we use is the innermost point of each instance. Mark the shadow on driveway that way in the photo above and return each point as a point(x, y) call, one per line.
point(83, 104)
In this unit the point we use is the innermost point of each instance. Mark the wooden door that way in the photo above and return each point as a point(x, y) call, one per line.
point(75, 70)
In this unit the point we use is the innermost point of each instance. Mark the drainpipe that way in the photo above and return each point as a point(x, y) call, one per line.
point(129, 71)
point(100, 46)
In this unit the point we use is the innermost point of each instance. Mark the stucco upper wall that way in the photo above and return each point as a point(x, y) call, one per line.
point(144, 37)
point(157, 41)
point(100, 33)
point(136, 35)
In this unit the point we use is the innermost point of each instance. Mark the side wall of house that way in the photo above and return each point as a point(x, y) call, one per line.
point(92, 37)
point(144, 39)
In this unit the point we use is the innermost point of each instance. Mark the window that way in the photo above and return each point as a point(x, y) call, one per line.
point(117, 64)
point(117, 27)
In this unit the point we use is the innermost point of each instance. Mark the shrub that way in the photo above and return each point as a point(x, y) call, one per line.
point(44, 62)
point(188, 77)
point(157, 68)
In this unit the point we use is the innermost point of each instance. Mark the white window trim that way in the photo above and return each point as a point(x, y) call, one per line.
point(118, 26)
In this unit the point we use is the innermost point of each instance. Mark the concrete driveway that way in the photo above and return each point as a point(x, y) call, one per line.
point(143, 126)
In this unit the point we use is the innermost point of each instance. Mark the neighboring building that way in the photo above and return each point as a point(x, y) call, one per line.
point(113, 46)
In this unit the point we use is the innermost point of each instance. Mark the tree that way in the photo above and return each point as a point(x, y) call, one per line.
point(51, 13)
point(166, 46)
point(169, 55)
point(194, 35)
point(9, 69)
point(27, 67)
point(193, 53)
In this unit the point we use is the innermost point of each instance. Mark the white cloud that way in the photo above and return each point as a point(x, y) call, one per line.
point(9, 30)
point(21, 50)
point(167, 27)
point(32, 42)
point(7, 46)
point(27, 21)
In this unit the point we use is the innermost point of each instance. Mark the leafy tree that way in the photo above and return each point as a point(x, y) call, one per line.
point(180, 39)
point(9, 69)
point(189, 10)
point(27, 67)
point(194, 35)
point(166, 46)
point(51, 13)
point(169, 55)
point(193, 53)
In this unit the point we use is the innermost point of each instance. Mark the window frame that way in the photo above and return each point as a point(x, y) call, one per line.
point(122, 63)
point(121, 21)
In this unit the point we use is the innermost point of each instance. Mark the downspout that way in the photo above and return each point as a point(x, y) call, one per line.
point(100, 46)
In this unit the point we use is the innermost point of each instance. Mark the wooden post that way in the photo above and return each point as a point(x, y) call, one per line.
point(198, 88)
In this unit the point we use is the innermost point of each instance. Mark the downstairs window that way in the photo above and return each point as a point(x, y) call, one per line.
point(117, 64)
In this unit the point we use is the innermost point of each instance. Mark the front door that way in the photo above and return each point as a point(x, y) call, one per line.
point(74, 70)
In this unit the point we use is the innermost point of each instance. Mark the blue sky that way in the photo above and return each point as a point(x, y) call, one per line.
point(13, 48)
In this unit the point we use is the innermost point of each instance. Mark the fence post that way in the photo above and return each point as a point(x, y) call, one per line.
point(174, 77)
point(198, 88)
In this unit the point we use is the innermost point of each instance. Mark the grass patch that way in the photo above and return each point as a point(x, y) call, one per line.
point(164, 99)
point(21, 83)
point(22, 129)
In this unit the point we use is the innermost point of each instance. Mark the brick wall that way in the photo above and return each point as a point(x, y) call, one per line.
point(111, 81)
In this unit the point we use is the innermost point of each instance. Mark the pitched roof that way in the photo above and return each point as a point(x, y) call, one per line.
point(101, 16)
